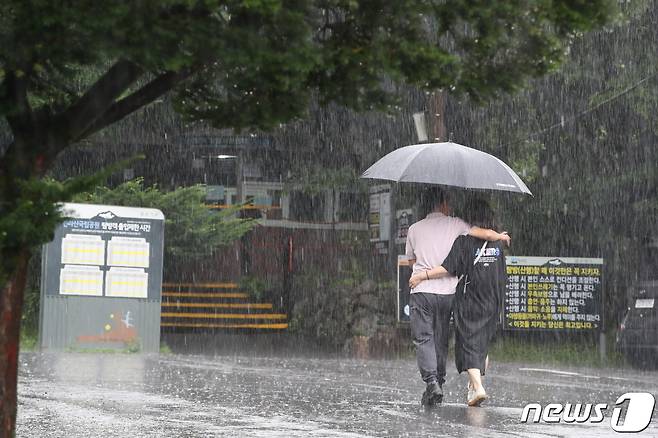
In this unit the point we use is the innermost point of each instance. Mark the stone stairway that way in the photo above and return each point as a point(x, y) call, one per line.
point(216, 306)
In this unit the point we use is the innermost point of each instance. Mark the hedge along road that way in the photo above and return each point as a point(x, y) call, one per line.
point(79, 395)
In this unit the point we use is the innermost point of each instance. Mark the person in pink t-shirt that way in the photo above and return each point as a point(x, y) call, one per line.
point(428, 243)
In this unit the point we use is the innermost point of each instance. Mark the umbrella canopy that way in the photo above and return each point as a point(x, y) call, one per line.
point(449, 164)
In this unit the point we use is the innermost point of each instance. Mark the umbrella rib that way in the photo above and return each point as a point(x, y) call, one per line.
point(411, 159)
point(519, 182)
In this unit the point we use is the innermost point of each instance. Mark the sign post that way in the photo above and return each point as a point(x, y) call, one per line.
point(102, 278)
point(404, 274)
point(404, 219)
point(555, 293)
point(379, 217)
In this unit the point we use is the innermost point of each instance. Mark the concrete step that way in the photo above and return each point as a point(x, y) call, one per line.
point(210, 295)
point(211, 306)
point(202, 285)
point(215, 315)
point(233, 326)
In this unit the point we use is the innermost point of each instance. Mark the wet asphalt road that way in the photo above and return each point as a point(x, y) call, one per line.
point(85, 395)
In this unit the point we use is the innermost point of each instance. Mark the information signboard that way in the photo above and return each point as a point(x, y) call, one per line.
point(551, 293)
point(106, 263)
point(404, 274)
point(404, 218)
point(379, 215)
point(106, 251)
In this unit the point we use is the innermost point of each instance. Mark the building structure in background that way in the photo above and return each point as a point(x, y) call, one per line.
point(300, 182)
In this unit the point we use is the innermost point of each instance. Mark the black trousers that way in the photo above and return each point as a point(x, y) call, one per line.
point(430, 324)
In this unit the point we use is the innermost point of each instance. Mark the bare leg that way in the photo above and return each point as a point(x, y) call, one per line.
point(475, 379)
point(477, 394)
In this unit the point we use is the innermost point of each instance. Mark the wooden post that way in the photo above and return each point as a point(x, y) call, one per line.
point(392, 246)
point(436, 107)
point(11, 303)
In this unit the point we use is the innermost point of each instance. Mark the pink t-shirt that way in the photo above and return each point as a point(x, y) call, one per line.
point(429, 242)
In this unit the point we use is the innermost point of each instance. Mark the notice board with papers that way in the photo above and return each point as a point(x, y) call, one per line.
point(553, 293)
point(102, 279)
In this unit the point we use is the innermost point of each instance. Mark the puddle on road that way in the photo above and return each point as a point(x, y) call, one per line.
point(199, 397)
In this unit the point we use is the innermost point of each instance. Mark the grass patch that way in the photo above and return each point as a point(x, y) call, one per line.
point(578, 350)
point(96, 350)
point(28, 341)
point(84, 350)
point(164, 348)
point(555, 352)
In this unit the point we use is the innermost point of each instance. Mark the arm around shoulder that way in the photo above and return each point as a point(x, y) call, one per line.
point(490, 235)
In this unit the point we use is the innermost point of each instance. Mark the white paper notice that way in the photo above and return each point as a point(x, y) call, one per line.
point(128, 251)
point(83, 249)
point(126, 282)
point(81, 280)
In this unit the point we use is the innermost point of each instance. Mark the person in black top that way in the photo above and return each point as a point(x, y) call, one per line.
point(479, 297)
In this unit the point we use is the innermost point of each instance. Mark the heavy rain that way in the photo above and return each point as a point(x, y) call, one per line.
point(202, 232)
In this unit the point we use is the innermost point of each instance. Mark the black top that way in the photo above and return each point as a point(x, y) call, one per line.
point(477, 306)
point(485, 281)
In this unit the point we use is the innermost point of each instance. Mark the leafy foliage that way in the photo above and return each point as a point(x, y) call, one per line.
point(587, 137)
point(36, 213)
point(265, 57)
point(254, 286)
point(338, 298)
point(191, 228)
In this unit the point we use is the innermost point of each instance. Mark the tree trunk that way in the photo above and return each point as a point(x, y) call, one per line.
point(11, 302)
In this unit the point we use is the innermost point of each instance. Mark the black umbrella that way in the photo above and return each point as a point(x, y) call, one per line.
point(449, 164)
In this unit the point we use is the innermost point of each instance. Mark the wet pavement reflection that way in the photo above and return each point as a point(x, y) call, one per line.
point(79, 395)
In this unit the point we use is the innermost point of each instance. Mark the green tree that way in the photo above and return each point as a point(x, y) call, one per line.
point(192, 230)
point(70, 69)
point(584, 139)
